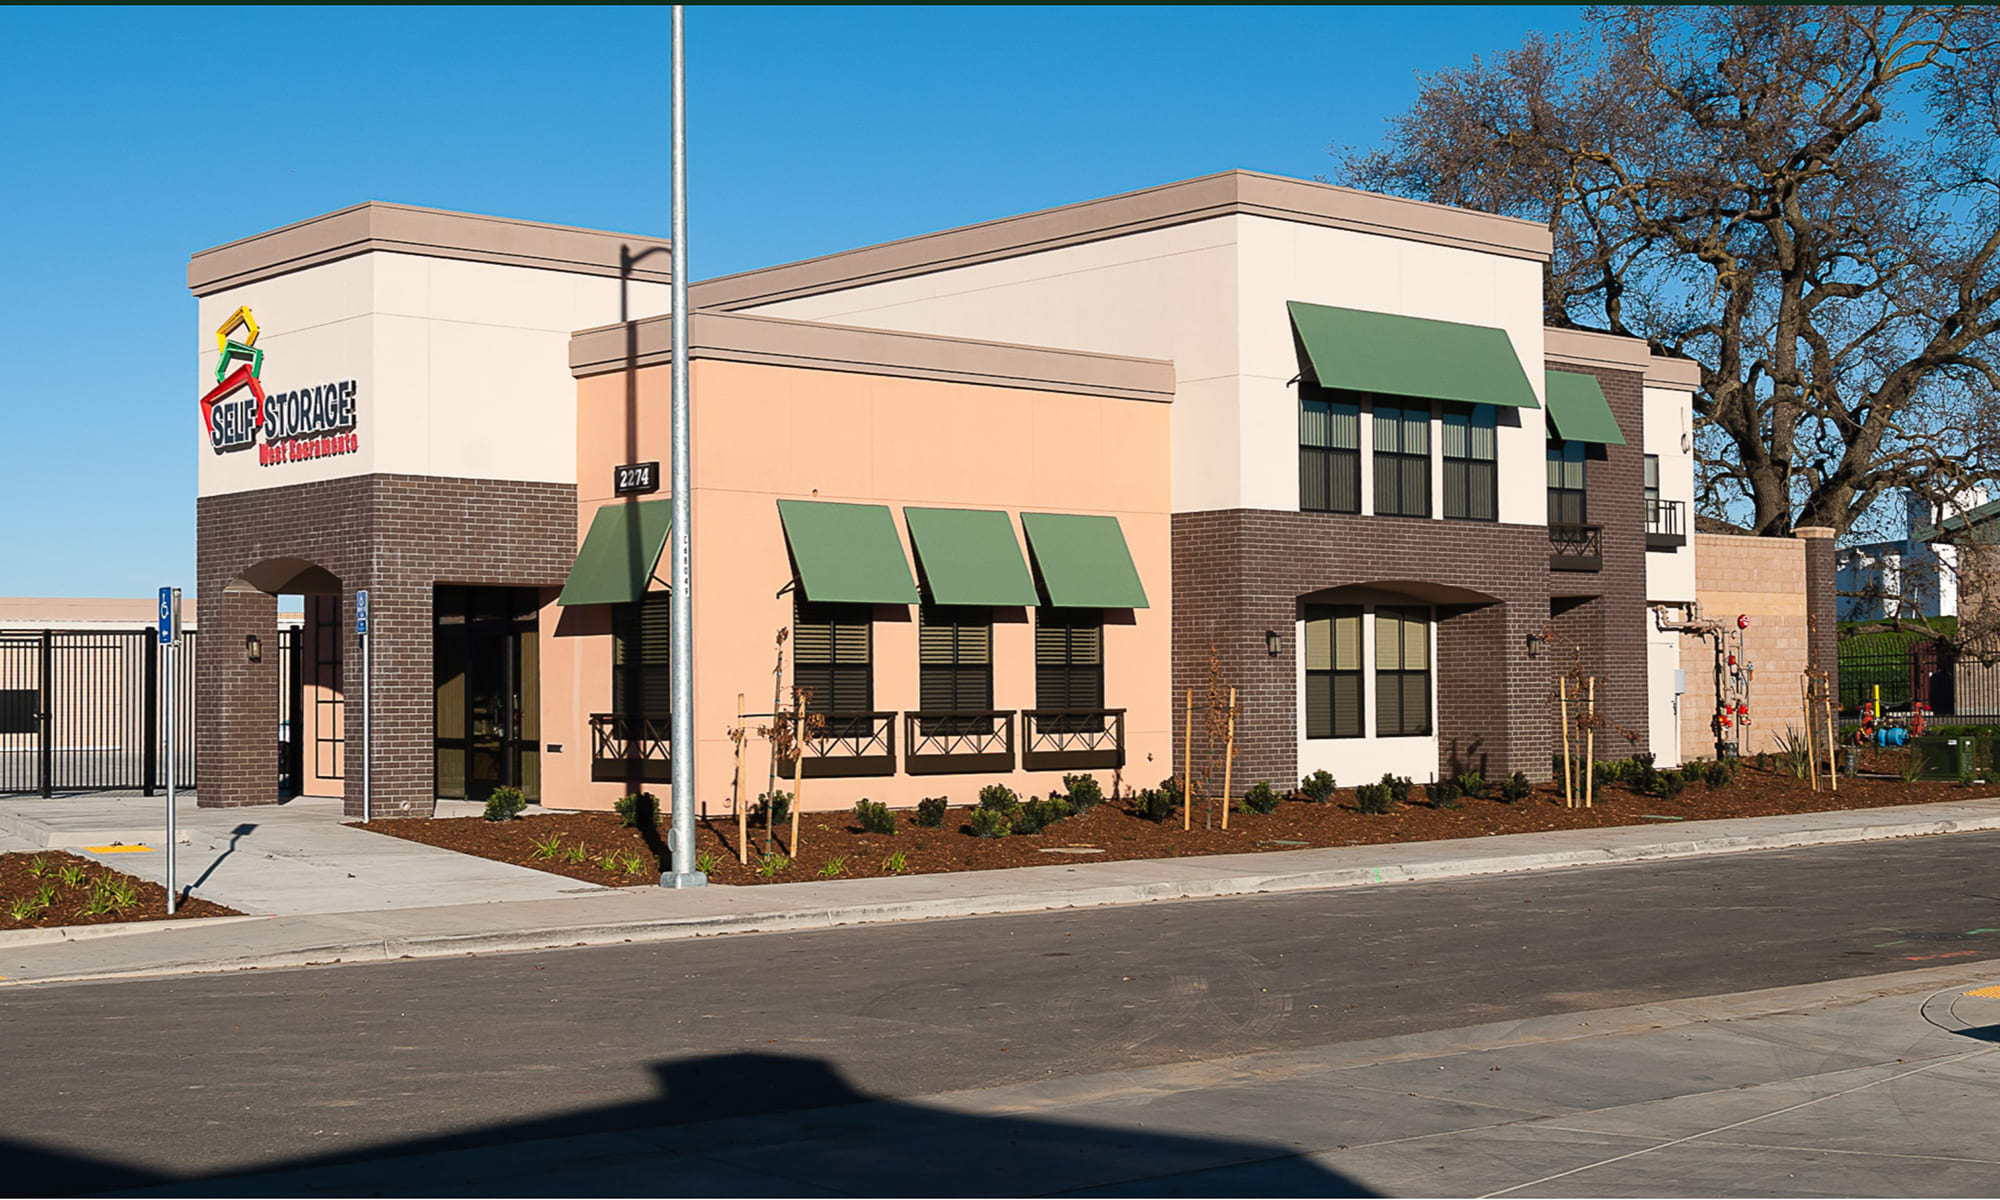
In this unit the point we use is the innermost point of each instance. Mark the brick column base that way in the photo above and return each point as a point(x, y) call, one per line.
point(236, 700)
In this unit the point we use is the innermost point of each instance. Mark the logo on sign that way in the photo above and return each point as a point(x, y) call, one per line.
point(294, 426)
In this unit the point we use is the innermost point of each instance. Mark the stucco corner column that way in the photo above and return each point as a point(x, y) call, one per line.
point(236, 698)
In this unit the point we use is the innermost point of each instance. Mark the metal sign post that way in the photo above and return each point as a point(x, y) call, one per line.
point(367, 705)
point(169, 634)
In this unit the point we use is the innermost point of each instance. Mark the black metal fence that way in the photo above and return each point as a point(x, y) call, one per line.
point(1953, 684)
point(83, 710)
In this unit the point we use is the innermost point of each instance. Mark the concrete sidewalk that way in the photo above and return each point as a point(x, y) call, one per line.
point(604, 916)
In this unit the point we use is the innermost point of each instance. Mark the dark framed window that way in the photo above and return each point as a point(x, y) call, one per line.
point(833, 661)
point(1333, 671)
point(954, 665)
point(1652, 484)
point(1069, 667)
point(1469, 435)
point(1568, 475)
point(329, 696)
point(1402, 462)
point(642, 682)
point(1329, 451)
point(1402, 672)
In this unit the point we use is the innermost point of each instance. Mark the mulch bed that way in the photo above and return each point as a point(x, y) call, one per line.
point(1117, 833)
point(35, 894)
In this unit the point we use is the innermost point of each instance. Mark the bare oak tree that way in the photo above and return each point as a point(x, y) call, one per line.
point(1803, 200)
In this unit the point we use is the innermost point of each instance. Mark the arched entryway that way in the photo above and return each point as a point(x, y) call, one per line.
point(274, 694)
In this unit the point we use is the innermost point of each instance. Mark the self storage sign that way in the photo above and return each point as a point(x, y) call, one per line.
point(293, 426)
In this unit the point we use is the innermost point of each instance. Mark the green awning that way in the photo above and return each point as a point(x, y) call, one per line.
point(1084, 561)
point(970, 557)
point(619, 553)
point(1578, 410)
point(847, 553)
point(1411, 356)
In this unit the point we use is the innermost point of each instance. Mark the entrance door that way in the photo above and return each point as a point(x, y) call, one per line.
point(488, 694)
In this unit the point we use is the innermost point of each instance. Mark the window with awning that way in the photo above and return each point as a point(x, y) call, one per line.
point(619, 553)
point(969, 556)
point(1083, 560)
point(847, 553)
point(1411, 356)
point(1578, 411)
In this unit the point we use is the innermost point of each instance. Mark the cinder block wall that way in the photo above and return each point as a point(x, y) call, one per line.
point(1785, 588)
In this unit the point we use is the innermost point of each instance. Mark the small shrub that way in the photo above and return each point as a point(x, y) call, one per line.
point(1037, 815)
point(896, 863)
point(1317, 787)
point(705, 862)
point(638, 810)
point(1261, 799)
point(874, 817)
point(1443, 793)
point(930, 811)
point(1154, 804)
point(1083, 792)
point(1515, 788)
point(545, 849)
point(772, 807)
point(1716, 773)
point(505, 804)
point(998, 797)
point(1374, 798)
point(1472, 784)
point(834, 867)
point(1763, 760)
point(1667, 784)
point(770, 865)
point(1644, 774)
point(990, 823)
point(1608, 772)
point(1399, 787)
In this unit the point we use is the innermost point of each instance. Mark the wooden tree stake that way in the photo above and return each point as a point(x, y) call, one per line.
point(739, 735)
point(1812, 751)
point(1590, 747)
point(798, 765)
point(1228, 758)
point(1187, 766)
point(1832, 738)
point(1569, 791)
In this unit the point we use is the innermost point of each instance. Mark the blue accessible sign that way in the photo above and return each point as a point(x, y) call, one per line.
point(361, 611)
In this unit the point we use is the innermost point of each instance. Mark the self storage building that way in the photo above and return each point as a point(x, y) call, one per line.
point(996, 497)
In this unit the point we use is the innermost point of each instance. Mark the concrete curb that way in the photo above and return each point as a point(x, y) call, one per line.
point(820, 913)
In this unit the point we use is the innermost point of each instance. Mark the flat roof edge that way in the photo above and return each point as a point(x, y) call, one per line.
point(428, 232)
point(776, 341)
point(1566, 347)
point(1225, 194)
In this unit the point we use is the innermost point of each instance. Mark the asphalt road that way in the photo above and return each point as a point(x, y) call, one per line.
point(130, 1083)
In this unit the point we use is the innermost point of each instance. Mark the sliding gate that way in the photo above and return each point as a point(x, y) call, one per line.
point(83, 711)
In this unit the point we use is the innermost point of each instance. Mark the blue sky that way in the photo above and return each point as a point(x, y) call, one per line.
point(134, 137)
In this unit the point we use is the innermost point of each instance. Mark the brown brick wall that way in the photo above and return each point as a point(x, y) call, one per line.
point(1240, 572)
point(1606, 609)
point(395, 535)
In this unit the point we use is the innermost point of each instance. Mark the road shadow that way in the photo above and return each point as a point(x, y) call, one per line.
point(740, 1124)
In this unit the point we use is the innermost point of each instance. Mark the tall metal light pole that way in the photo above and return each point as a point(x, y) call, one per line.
point(680, 843)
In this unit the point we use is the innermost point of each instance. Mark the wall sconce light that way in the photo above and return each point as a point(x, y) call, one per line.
point(1271, 642)
point(1535, 641)
point(253, 647)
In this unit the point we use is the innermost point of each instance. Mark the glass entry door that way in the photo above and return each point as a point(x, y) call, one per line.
point(487, 676)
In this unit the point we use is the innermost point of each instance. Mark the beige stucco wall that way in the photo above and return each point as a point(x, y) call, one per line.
point(1670, 574)
point(763, 433)
point(462, 368)
point(1210, 295)
point(1765, 580)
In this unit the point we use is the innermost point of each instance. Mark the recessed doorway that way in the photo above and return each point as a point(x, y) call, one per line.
point(487, 669)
